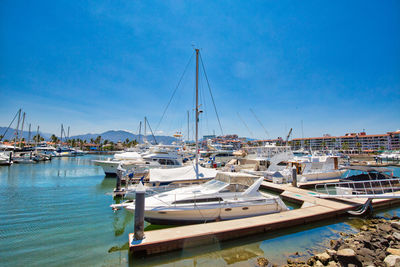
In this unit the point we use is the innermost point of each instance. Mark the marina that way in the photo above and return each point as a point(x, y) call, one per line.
point(200, 133)
point(78, 197)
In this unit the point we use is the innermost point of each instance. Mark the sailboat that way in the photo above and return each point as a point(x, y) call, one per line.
point(228, 196)
point(186, 175)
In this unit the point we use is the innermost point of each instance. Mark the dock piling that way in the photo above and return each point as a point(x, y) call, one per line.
point(120, 171)
point(294, 177)
point(139, 212)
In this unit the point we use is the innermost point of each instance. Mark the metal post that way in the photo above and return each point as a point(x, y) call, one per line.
point(22, 130)
point(120, 171)
point(294, 176)
point(16, 131)
point(139, 212)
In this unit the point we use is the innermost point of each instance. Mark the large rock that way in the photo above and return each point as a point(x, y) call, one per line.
point(385, 227)
point(263, 262)
point(323, 257)
point(366, 256)
point(318, 264)
point(396, 236)
point(348, 256)
point(395, 225)
point(392, 261)
point(331, 252)
point(394, 251)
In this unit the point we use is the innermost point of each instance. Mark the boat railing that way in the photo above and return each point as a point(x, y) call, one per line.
point(383, 188)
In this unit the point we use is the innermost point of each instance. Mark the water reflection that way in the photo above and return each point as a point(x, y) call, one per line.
point(119, 228)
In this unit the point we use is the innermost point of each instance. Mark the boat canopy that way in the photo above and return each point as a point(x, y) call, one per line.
point(127, 155)
point(367, 169)
point(236, 178)
point(180, 174)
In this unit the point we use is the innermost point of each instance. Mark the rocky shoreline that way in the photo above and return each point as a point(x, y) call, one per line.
point(377, 244)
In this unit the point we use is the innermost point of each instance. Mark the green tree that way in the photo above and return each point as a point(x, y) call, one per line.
point(97, 140)
point(54, 138)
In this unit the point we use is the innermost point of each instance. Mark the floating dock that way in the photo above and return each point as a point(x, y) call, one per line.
point(313, 209)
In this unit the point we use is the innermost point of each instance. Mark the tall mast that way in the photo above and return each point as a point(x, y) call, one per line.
point(140, 130)
point(197, 114)
point(62, 128)
point(144, 136)
point(188, 138)
point(68, 134)
point(29, 135)
point(16, 131)
point(37, 136)
point(22, 130)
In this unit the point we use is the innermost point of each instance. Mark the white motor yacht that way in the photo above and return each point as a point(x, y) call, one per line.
point(5, 158)
point(228, 196)
point(161, 180)
point(389, 155)
point(24, 158)
point(216, 155)
point(159, 156)
point(129, 160)
point(309, 168)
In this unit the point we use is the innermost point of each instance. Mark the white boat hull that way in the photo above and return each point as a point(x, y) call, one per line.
point(336, 174)
point(218, 212)
point(110, 167)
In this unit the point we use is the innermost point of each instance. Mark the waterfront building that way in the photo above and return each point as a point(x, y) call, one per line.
point(226, 140)
point(350, 142)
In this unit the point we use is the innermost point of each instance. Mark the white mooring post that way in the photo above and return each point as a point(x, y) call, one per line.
point(294, 176)
point(139, 212)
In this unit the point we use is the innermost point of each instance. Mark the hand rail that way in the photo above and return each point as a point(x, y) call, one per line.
point(382, 188)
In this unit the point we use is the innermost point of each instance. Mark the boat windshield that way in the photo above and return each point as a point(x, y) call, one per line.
point(214, 184)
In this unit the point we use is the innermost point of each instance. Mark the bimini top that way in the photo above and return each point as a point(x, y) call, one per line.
point(180, 174)
point(367, 169)
point(236, 178)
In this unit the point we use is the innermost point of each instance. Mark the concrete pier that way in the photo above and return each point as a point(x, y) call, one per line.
point(313, 209)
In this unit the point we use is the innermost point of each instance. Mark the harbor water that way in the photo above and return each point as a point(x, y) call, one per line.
point(57, 213)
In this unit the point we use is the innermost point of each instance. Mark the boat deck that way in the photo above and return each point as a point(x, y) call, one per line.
point(313, 209)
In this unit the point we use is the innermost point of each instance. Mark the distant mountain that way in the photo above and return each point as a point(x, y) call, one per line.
point(113, 136)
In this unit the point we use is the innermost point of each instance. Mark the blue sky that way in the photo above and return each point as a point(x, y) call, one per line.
point(100, 65)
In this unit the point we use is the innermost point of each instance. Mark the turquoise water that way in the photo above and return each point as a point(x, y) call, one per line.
point(57, 213)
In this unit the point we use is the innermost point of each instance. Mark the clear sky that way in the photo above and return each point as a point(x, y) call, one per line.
point(101, 65)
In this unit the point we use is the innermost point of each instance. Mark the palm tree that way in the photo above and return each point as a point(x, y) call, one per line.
point(97, 140)
point(54, 138)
